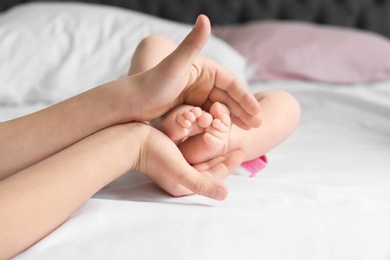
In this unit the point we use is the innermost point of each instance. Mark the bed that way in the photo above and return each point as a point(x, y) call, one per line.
point(325, 193)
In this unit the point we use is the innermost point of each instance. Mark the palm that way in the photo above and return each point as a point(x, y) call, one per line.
point(178, 85)
point(185, 77)
point(162, 161)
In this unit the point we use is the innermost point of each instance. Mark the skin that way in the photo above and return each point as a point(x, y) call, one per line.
point(57, 158)
point(204, 141)
point(280, 114)
point(193, 80)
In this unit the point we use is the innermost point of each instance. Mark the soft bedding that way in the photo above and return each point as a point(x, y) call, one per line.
point(325, 193)
point(308, 51)
point(50, 51)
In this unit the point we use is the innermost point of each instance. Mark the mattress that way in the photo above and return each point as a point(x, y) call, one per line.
point(325, 193)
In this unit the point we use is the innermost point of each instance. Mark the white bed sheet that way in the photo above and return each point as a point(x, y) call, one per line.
point(324, 195)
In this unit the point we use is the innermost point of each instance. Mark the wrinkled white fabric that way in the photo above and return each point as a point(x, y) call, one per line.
point(325, 194)
point(51, 51)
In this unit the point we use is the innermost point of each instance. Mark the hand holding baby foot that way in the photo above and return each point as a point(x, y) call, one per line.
point(161, 160)
point(199, 135)
point(215, 139)
point(184, 77)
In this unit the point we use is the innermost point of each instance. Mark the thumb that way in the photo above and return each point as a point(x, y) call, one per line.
point(165, 165)
point(208, 182)
point(222, 166)
point(182, 58)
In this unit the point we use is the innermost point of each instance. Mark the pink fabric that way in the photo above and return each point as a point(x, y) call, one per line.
point(304, 51)
point(254, 166)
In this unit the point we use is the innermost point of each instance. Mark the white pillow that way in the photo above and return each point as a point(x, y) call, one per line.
point(50, 51)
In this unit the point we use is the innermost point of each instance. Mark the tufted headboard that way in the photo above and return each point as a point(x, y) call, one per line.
point(372, 15)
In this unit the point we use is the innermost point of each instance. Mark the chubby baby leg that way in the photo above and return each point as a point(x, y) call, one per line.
point(214, 141)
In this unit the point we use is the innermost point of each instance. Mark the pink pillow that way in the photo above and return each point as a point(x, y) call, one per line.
point(304, 51)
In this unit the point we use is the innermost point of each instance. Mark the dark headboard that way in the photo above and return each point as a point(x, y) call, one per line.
point(372, 15)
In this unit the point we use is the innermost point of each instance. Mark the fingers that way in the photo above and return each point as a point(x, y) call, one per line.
point(204, 179)
point(217, 169)
point(206, 81)
point(240, 116)
point(233, 93)
point(214, 171)
point(164, 164)
point(222, 166)
point(238, 122)
point(182, 58)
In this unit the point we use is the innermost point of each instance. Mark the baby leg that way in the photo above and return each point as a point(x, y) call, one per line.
point(182, 122)
point(149, 52)
point(213, 142)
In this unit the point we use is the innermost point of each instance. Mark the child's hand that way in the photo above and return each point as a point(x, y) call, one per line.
point(186, 77)
point(160, 160)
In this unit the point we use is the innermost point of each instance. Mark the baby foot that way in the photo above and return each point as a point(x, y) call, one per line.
point(213, 142)
point(184, 121)
point(216, 136)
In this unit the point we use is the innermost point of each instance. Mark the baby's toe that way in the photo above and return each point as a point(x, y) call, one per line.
point(183, 121)
point(205, 120)
point(226, 120)
point(222, 125)
point(196, 111)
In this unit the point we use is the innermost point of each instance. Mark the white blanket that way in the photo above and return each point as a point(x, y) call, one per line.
point(324, 195)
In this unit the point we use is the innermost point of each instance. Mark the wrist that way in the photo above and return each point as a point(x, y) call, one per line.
point(122, 100)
